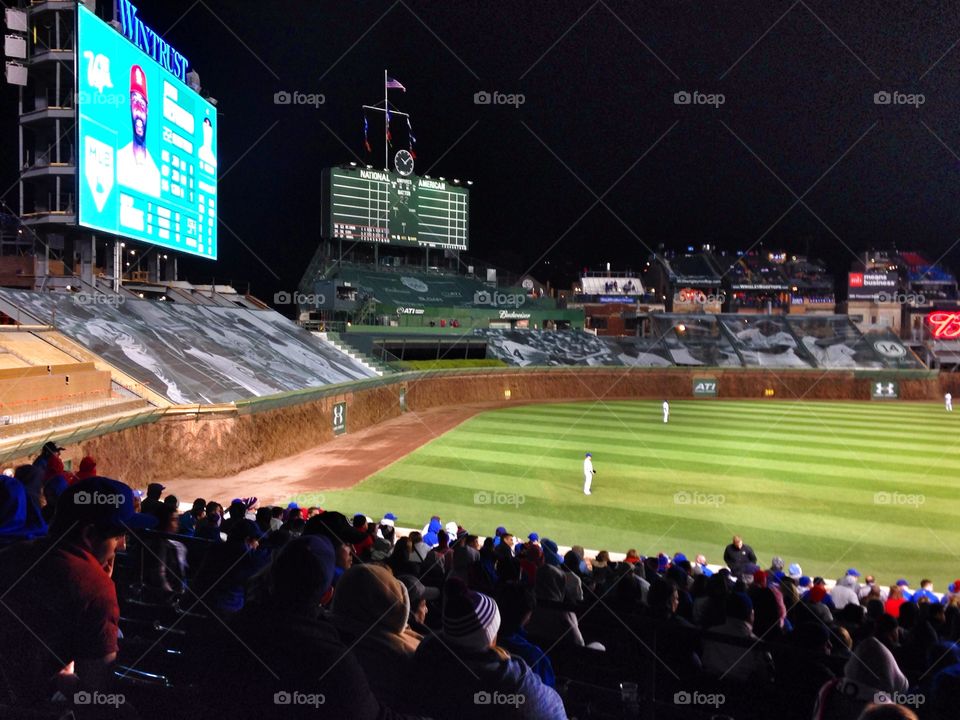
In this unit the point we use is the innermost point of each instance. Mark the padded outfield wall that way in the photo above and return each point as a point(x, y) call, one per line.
point(249, 433)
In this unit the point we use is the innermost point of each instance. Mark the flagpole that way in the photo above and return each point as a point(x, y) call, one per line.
point(386, 125)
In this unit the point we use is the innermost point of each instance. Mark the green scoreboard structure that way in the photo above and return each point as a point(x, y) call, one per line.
point(147, 160)
point(380, 206)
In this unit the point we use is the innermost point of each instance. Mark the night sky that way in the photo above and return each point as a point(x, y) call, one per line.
point(798, 121)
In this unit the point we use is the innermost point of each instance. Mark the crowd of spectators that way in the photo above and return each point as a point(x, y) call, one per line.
point(330, 616)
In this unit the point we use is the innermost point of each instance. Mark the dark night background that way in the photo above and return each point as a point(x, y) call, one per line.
point(800, 101)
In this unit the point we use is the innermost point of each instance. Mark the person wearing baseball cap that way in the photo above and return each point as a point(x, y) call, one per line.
point(136, 169)
point(335, 527)
point(151, 503)
point(468, 641)
point(60, 604)
point(420, 595)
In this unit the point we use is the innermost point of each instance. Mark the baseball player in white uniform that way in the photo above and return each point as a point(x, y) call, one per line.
point(588, 473)
point(948, 402)
point(666, 411)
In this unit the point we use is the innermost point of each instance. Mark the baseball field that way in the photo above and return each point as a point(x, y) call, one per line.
point(829, 485)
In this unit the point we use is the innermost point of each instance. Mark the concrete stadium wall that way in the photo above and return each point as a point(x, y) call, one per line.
point(215, 445)
point(39, 388)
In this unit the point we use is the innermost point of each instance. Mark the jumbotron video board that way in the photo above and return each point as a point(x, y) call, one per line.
point(147, 142)
point(379, 206)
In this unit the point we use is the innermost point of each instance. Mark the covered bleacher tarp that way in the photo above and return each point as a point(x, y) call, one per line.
point(724, 340)
point(407, 289)
point(190, 354)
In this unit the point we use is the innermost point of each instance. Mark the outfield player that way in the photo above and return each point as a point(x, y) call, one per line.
point(948, 402)
point(666, 411)
point(588, 473)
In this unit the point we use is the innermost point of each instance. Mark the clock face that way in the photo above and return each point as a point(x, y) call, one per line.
point(403, 162)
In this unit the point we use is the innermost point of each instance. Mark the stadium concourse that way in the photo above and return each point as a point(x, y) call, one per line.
point(184, 598)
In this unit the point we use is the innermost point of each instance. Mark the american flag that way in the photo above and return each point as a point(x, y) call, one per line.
point(393, 84)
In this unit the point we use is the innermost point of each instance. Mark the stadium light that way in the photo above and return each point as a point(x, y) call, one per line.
point(469, 182)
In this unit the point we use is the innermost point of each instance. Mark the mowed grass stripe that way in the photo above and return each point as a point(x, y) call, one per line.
point(704, 455)
point(732, 435)
point(792, 483)
point(814, 422)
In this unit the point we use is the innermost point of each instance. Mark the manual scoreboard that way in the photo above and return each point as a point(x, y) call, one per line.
point(379, 206)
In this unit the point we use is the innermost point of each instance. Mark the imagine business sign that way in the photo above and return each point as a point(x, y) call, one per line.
point(145, 38)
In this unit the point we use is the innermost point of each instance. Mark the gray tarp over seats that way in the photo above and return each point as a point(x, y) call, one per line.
point(696, 340)
point(835, 342)
point(726, 340)
point(766, 341)
point(190, 353)
point(546, 347)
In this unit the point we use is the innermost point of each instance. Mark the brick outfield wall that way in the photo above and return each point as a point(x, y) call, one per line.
point(223, 444)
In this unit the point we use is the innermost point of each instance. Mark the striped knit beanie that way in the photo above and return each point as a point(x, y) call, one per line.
point(470, 619)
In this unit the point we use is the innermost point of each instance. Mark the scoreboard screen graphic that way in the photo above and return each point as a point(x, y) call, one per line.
point(147, 146)
point(379, 206)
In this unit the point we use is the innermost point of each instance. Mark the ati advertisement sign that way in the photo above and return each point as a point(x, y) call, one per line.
point(884, 390)
point(866, 286)
point(340, 418)
point(704, 387)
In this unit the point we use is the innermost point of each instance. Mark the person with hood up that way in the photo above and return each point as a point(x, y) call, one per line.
point(20, 517)
point(371, 609)
point(845, 592)
point(869, 672)
point(260, 637)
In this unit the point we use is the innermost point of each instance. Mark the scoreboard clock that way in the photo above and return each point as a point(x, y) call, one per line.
point(395, 208)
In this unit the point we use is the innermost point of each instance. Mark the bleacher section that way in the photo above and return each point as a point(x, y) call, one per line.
point(610, 285)
point(725, 340)
point(408, 289)
point(191, 354)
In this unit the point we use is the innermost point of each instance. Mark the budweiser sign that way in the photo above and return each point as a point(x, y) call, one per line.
point(944, 325)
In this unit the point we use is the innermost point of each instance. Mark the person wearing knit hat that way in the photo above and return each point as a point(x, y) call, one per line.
point(466, 667)
point(88, 468)
point(470, 619)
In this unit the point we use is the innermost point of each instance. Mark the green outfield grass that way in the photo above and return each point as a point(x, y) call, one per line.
point(830, 485)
